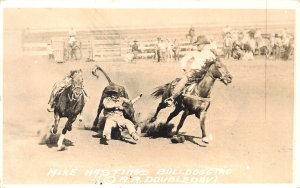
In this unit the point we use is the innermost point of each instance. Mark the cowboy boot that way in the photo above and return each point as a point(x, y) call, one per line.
point(104, 140)
point(135, 136)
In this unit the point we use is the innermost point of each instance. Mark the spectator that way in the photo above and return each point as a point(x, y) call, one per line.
point(176, 50)
point(157, 49)
point(237, 47)
point(277, 47)
point(169, 50)
point(50, 51)
point(135, 50)
point(191, 34)
point(227, 46)
point(161, 48)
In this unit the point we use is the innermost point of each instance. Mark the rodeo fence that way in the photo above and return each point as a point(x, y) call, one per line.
point(106, 44)
point(113, 44)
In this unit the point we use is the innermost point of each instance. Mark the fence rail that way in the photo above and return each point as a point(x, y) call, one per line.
point(99, 46)
point(98, 49)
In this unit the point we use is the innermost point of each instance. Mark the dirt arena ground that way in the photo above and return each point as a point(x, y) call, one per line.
point(250, 123)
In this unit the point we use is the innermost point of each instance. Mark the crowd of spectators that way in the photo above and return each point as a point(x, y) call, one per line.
point(239, 44)
point(247, 43)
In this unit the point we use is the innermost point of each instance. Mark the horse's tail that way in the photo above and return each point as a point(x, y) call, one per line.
point(160, 90)
point(94, 72)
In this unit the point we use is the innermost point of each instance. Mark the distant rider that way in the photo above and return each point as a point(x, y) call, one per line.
point(72, 38)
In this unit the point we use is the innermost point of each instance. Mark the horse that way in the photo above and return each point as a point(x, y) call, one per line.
point(73, 51)
point(196, 101)
point(69, 104)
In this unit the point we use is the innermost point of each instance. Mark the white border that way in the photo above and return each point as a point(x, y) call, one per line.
point(215, 4)
point(1, 98)
point(296, 145)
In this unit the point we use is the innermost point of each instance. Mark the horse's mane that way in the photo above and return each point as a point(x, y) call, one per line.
point(159, 91)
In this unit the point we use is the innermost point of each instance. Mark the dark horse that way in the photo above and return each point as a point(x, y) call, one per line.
point(197, 101)
point(69, 104)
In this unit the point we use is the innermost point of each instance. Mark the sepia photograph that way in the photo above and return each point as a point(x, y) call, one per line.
point(103, 96)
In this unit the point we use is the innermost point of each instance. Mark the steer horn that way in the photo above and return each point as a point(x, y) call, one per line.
point(136, 98)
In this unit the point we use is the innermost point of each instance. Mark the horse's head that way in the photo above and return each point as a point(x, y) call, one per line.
point(220, 71)
point(77, 85)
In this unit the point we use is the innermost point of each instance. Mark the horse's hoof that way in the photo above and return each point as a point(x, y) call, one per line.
point(53, 130)
point(69, 128)
point(94, 128)
point(152, 120)
point(62, 148)
point(205, 140)
point(177, 139)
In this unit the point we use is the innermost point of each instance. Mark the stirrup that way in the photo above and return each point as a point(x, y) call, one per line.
point(50, 109)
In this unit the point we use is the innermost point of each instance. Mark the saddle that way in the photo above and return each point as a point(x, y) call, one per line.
point(190, 86)
point(59, 92)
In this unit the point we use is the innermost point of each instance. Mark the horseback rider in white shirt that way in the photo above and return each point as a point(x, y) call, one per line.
point(200, 62)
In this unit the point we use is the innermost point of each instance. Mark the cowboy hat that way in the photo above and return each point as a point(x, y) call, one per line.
point(112, 90)
point(201, 39)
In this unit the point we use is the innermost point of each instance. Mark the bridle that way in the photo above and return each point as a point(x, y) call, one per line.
point(72, 96)
point(77, 90)
point(223, 76)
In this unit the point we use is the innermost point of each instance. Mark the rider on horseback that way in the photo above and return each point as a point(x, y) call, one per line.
point(200, 62)
point(59, 87)
point(72, 38)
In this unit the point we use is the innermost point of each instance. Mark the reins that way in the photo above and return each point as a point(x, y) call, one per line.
point(197, 97)
point(72, 98)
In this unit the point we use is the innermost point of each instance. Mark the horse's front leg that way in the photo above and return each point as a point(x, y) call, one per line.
point(173, 114)
point(182, 119)
point(68, 127)
point(160, 106)
point(202, 126)
point(80, 117)
point(53, 130)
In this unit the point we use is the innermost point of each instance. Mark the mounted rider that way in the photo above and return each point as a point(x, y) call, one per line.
point(72, 38)
point(200, 62)
point(60, 86)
